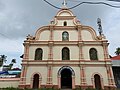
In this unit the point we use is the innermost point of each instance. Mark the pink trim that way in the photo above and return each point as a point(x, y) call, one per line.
point(9, 79)
point(59, 82)
point(63, 11)
point(49, 75)
point(73, 82)
point(83, 76)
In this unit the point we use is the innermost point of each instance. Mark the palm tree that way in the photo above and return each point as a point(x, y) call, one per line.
point(117, 52)
point(11, 64)
point(2, 59)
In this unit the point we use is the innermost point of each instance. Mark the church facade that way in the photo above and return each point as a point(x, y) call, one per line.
point(66, 54)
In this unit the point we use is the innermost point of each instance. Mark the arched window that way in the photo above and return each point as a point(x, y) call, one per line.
point(65, 54)
point(65, 36)
point(93, 54)
point(65, 23)
point(38, 54)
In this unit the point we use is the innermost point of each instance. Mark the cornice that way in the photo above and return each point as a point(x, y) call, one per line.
point(67, 62)
point(62, 43)
point(65, 17)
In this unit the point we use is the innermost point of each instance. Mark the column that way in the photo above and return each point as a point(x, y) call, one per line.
point(80, 51)
point(73, 82)
point(80, 43)
point(50, 56)
point(24, 66)
point(23, 77)
point(82, 75)
point(110, 76)
point(105, 49)
point(59, 82)
point(49, 75)
point(79, 33)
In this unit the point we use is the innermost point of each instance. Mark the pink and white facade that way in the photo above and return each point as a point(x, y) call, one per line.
point(66, 54)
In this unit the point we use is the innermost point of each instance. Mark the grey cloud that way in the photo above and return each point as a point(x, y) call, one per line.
point(24, 17)
point(2, 6)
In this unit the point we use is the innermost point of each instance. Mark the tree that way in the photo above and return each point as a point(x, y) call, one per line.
point(2, 59)
point(117, 52)
point(11, 64)
point(9, 67)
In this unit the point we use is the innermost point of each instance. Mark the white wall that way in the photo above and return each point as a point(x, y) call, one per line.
point(73, 35)
point(32, 52)
point(99, 52)
point(74, 52)
point(9, 82)
point(89, 71)
point(34, 70)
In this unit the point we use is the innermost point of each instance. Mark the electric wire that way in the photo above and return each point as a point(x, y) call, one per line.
point(1, 34)
point(94, 3)
point(51, 4)
point(114, 0)
point(114, 6)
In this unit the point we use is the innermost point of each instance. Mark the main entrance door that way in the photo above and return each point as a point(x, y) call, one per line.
point(66, 78)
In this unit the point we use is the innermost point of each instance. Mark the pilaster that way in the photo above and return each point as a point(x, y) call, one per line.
point(49, 75)
point(110, 76)
point(105, 49)
point(82, 75)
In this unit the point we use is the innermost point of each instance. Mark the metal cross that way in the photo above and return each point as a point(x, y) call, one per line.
point(64, 2)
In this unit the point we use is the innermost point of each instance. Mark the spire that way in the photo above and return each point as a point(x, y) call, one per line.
point(64, 3)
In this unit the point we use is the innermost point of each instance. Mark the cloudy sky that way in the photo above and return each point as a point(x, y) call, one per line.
point(18, 18)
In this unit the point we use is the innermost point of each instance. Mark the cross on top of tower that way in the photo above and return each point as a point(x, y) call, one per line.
point(64, 3)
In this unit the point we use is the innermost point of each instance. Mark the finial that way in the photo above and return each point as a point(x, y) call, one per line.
point(99, 26)
point(64, 3)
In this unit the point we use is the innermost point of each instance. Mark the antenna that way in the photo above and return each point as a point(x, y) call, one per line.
point(99, 26)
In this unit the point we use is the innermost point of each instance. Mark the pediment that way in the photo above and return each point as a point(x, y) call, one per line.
point(65, 13)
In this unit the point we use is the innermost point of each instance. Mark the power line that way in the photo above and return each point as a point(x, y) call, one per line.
point(105, 0)
point(84, 3)
point(51, 4)
point(114, 0)
point(4, 35)
point(94, 3)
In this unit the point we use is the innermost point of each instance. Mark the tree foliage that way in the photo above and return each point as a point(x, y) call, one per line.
point(117, 52)
point(2, 59)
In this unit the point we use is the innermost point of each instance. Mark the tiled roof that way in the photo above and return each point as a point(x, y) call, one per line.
point(116, 57)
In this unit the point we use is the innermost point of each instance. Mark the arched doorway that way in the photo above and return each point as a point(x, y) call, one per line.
point(36, 81)
point(66, 78)
point(97, 82)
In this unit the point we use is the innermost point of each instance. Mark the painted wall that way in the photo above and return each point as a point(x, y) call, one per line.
point(74, 52)
point(32, 70)
point(32, 52)
point(9, 82)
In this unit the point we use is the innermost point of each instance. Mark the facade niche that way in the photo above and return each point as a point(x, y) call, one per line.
point(65, 54)
point(38, 54)
point(93, 54)
point(65, 36)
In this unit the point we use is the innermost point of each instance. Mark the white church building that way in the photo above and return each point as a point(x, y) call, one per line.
point(65, 54)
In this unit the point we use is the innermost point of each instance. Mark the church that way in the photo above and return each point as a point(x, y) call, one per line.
point(66, 55)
